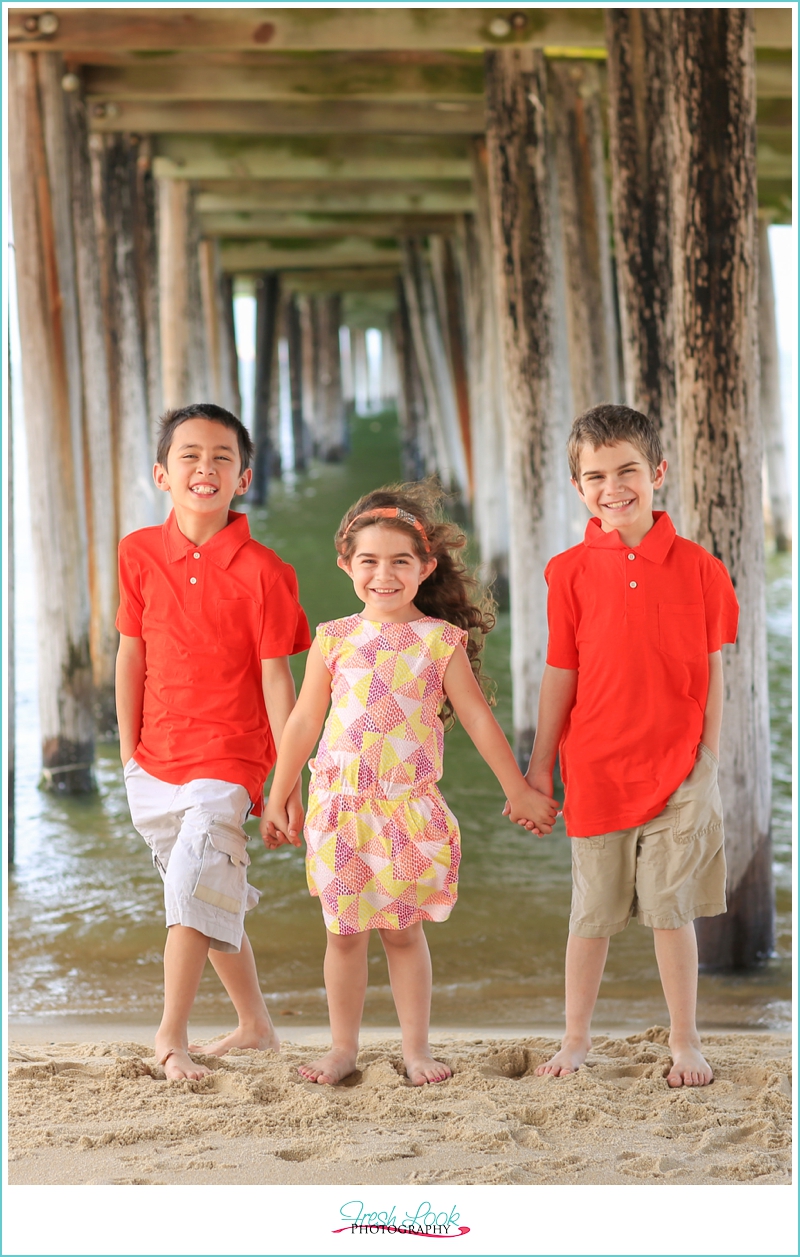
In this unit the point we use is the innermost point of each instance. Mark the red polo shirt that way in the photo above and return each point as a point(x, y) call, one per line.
point(208, 615)
point(638, 623)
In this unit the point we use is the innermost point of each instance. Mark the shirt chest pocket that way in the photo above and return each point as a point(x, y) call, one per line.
point(237, 623)
point(682, 629)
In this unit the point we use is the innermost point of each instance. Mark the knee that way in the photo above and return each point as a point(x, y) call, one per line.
point(398, 940)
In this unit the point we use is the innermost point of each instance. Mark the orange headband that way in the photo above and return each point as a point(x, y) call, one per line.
point(392, 512)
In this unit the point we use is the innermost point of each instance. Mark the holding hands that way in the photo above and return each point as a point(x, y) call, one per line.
point(533, 807)
point(282, 823)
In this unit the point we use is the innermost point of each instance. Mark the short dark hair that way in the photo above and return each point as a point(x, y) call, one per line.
point(172, 419)
point(610, 424)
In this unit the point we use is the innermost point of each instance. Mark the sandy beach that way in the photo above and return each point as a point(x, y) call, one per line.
point(99, 1111)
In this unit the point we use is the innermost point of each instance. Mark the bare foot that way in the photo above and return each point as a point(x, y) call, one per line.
point(178, 1064)
point(423, 1068)
point(689, 1067)
point(568, 1058)
point(331, 1068)
point(260, 1037)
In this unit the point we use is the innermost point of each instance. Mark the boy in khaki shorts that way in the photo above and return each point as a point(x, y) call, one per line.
point(207, 619)
point(631, 702)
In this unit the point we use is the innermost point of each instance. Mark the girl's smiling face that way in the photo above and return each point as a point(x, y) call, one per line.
point(386, 573)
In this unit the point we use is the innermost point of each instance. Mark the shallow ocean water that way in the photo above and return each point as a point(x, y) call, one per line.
point(85, 911)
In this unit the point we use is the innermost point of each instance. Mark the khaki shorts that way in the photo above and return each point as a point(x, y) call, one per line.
point(664, 873)
point(199, 847)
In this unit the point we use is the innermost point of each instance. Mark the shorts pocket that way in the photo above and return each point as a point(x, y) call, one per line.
point(682, 629)
point(696, 806)
point(222, 881)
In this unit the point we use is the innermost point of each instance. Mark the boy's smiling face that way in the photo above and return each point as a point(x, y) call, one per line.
point(203, 475)
point(617, 484)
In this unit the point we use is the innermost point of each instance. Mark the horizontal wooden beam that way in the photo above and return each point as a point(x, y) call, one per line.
point(774, 153)
point(342, 279)
point(280, 118)
point(307, 28)
point(323, 196)
point(311, 157)
point(256, 225)
point(283, 254)
point(317, 76)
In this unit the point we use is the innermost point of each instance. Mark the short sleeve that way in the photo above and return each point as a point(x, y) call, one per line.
point(131, 602)
point(721, 609)
point(562, 648)
point(284, 627)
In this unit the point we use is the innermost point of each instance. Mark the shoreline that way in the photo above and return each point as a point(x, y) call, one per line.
point(93, 1029)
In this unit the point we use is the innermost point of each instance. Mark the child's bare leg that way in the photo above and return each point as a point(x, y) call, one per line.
point(676, 953)
point(586, 960)
point(237, 973)
point(410, 975)
point(346, 986)
point(185, 955)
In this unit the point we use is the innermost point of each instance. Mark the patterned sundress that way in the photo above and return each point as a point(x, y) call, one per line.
point(383, 846)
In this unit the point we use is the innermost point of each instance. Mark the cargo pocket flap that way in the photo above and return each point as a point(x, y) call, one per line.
point(229, 839)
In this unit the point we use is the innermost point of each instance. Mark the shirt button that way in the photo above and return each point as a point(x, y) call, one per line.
point(633, 584)
point(630, 556)
point(196, 555)
point(192, 580)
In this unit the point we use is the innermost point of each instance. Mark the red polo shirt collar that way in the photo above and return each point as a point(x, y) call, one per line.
point(221, 548)
point(655, 545)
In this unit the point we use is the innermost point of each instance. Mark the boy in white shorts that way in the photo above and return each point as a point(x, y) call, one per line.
point(207, 620)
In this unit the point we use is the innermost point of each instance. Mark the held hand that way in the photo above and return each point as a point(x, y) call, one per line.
point(542, 782)
point(276, 827)
point(534, 809)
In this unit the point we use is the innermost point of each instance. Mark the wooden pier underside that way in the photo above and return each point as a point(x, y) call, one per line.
point(508, 194)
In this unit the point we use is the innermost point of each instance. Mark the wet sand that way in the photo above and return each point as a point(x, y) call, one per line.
point(93, 1108)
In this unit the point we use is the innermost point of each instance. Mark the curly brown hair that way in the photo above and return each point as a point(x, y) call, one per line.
point(450, 592)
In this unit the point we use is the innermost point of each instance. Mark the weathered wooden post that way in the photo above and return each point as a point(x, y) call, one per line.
point(415, 446)
point(715, 256)
point(146, 265)
point(780, 494)
point(516, 138)
point(639, 55)
point(490, 513)
point(294, 339)
point(583, 217)
point(230, 356)
point(309, 368)
point(358, 352)
point(267, 306)
point(331, 419)
point(449, 289)
point(100, 463)
point(137, 506)
point(65, 671)
point(179, 297)
point(207, 250)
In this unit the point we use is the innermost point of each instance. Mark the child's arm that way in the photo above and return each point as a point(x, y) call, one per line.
point(712, 720)
point(476, 716)
point(301, 729)
point(130, 673)
point(277, 684)
point(556, 700)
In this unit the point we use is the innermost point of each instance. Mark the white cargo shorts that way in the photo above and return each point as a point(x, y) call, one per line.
point(199, 847)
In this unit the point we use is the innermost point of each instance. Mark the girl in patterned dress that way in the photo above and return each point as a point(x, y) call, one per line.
point(382, 845)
